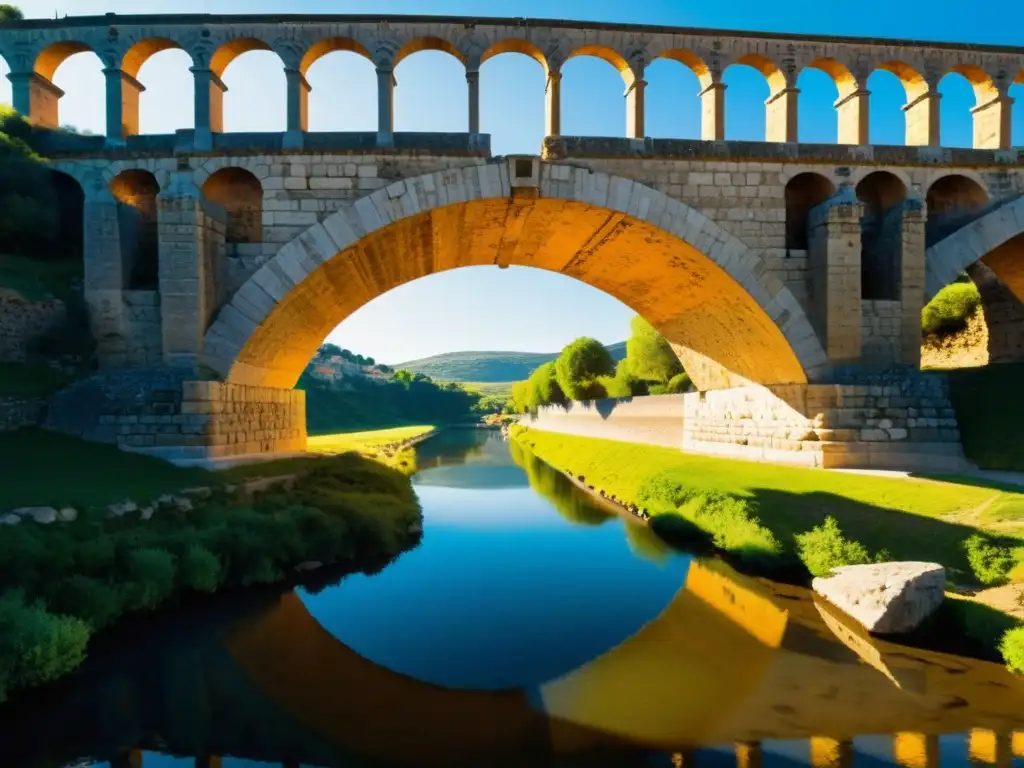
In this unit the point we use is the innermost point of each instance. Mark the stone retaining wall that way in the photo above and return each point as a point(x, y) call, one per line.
point(22, 320)
point(17, 412)
point(653, 420)
point(165, 414)
point(907, 425)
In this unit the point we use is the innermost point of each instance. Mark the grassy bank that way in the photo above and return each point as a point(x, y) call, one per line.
point(65, 581)
point(91, 474)
point(910, 519)
point(787, 521)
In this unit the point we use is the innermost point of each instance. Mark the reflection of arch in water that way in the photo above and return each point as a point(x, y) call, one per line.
point(342, 696)
point(722, 663)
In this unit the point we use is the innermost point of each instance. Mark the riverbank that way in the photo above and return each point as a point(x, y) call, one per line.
point(67, 580)
point(772, 520)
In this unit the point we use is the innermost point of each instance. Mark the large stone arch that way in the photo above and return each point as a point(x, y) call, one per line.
point(731, 321)
point(993, 237)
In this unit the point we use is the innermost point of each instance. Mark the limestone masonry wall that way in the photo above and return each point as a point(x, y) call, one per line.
point(904, 424)
point(653, 420)
point(22, 320)
point(17, 412)
point(165, 414)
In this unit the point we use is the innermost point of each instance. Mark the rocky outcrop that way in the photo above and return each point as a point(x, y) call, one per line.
point(885, 598)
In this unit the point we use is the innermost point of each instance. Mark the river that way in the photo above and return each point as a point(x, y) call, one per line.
point(531, 627)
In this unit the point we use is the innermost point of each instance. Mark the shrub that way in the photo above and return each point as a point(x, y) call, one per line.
point(823, 548)
point(36, 646)
point(990, 563)
point(614, 386)
point(1011, 646)
point(949, 311)
point(150, 577)
point(678, 384)
point(199, 569)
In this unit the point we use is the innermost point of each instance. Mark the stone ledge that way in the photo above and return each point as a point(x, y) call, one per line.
point(599, 147)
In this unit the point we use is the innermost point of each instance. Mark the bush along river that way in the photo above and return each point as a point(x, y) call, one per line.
point(530, 626)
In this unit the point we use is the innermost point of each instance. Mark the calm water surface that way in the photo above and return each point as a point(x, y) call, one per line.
point(530, 627)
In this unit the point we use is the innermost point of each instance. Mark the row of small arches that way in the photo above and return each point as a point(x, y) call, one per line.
point(592, 102)
point(952, 201)
point(236, 190)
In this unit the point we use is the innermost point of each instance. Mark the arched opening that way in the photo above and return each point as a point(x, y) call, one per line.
point(6, 96)
point(137, 191)
point(956, 124)
point(430, 72)
point(512, 102)
point(343, 86)
point(817, 114)
point(722, 334)
point(673, 95)
point(70, 233)
point(803, 192)
point(881, 235)
point(746, 91)
point(887, 121)
point(255, 99)
point(240, 194)
point(169, 104)
point(953, 201)
point(1016, 92)
point(77, 71)
point(592, 86)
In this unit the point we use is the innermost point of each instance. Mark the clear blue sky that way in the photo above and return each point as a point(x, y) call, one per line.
point(485, 308)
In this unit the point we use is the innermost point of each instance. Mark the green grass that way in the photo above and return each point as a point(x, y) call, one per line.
point(30, 379)
point(990, 417)
point(911, 518)
point(48, 469)
point(343, 442)
point(37, 279)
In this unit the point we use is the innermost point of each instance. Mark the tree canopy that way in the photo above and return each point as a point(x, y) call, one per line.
point(10, 13)
point(584, 371)
point(650, 356)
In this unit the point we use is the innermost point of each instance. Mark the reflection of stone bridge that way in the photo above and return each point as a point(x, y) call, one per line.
point(780, 272)
point(722, 664)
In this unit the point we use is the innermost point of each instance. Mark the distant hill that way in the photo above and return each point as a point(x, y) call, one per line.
point(489, 366)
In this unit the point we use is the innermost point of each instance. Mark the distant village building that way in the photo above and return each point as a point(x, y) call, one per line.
point(335, 368)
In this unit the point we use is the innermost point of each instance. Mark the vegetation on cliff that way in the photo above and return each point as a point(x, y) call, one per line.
point(584, 370)
point(407, 398)
point(65, 581)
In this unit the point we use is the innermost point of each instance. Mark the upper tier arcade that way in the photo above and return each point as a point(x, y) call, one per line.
point(35, 48)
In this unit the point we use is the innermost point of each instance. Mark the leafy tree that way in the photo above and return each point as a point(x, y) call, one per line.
point(543, 387)
point(578, 367)
point(678, 384)
point(650, 356)
point(10, 13)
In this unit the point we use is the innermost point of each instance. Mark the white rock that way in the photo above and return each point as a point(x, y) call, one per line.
point(122, 508)
point(886, 598)
point(183, 504)
point(43, 515)
point(67, 514)
point(146, 512)
point(11, 519)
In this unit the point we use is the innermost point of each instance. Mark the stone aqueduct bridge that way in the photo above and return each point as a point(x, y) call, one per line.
point(785, 275)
